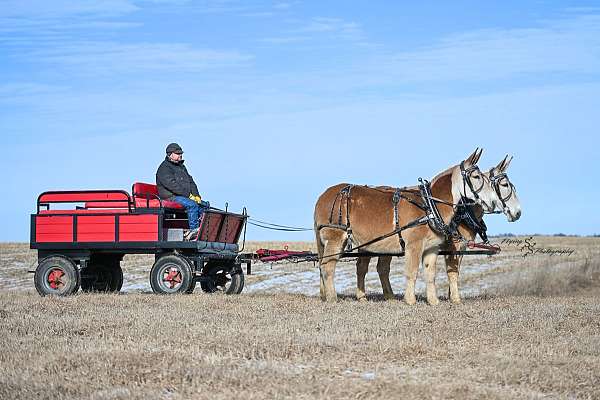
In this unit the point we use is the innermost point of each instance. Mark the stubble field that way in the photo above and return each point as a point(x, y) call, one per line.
point(529, 327)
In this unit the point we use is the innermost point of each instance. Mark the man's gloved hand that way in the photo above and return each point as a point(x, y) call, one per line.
point(197, 199)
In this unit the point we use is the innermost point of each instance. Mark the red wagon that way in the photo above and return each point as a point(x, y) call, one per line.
point(83, 244)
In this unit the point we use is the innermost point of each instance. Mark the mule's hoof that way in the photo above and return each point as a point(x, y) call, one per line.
point(362, 299)
point(434, 301)
point(388, 297)
point(455, 300)
point(411, 301)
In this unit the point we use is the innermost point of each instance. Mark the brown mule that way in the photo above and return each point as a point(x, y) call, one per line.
point(359, 215)
point(507, 199)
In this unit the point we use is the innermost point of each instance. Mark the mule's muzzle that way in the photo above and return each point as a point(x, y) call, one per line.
point(512, 217)
point(487, 208)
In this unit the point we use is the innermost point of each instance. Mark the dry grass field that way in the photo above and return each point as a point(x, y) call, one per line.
point(529, 327)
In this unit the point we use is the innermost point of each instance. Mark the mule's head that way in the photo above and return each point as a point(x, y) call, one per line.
point(507, 199)
point(470, 183)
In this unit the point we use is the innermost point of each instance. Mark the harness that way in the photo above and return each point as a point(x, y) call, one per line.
point(465, 215)
point(428, 205)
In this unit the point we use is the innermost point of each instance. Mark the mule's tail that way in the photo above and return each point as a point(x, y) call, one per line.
point(320, 245)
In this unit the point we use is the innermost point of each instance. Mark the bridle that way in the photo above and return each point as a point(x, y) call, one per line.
point(466, 175)
point(495, 182)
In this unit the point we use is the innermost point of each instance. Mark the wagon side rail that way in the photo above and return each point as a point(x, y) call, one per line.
point(83, 196)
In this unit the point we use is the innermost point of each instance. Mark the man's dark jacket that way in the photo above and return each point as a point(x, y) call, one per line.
point(172, 179)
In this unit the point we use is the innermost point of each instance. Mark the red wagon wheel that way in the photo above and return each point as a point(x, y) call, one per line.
point(56, 278)
point(172, 277)
point(56, 275)
point(171, 274)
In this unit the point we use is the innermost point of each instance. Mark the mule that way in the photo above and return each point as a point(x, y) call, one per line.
point(507, 199)
point(365, 217)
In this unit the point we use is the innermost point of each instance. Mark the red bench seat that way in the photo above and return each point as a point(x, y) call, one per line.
point(145, 195)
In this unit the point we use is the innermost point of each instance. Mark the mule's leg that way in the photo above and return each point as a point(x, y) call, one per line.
point(452, 269)
point(327, 275)
point(383, 269)
point(331, 254)
point(413, 259)
point(321, 285)
point(320, 249)
point(429, 262)
point(362, 267)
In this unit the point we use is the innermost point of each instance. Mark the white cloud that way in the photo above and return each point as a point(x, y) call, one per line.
point(319, 29)
point(571, 46)
point(26, 89)
point(258, 14)
point(282, 6)
point(106, 57)
point(63, 8)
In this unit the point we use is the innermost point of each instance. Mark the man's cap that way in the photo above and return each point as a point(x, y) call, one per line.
point(174, 148)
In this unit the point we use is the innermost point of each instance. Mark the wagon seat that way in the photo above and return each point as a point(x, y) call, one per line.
point(145, 195)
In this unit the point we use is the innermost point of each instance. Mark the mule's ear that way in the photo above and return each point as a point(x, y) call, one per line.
point(501, 164)
point(506, 163)
point(472, 159)
point(478, 157)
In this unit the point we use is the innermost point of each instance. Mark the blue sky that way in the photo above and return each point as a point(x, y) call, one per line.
point(275, 101)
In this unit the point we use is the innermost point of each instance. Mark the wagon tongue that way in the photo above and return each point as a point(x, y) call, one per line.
point(485, 246)
point(269, 255)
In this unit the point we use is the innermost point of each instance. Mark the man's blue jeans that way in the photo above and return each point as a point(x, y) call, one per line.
point(193, 209)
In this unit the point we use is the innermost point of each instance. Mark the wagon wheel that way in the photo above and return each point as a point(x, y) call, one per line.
point(171, 274)
point(222, 278)
point(56, 275)
point(105, 277)
point(192, 287)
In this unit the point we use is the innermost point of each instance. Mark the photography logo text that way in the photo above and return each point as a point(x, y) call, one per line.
point(528, 247)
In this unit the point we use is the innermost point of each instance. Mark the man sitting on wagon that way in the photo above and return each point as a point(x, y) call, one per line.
point(174, 183)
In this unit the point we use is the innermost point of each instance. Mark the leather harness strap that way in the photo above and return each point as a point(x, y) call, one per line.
point(396, 199)
point(466, 216)
point(429, 207)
